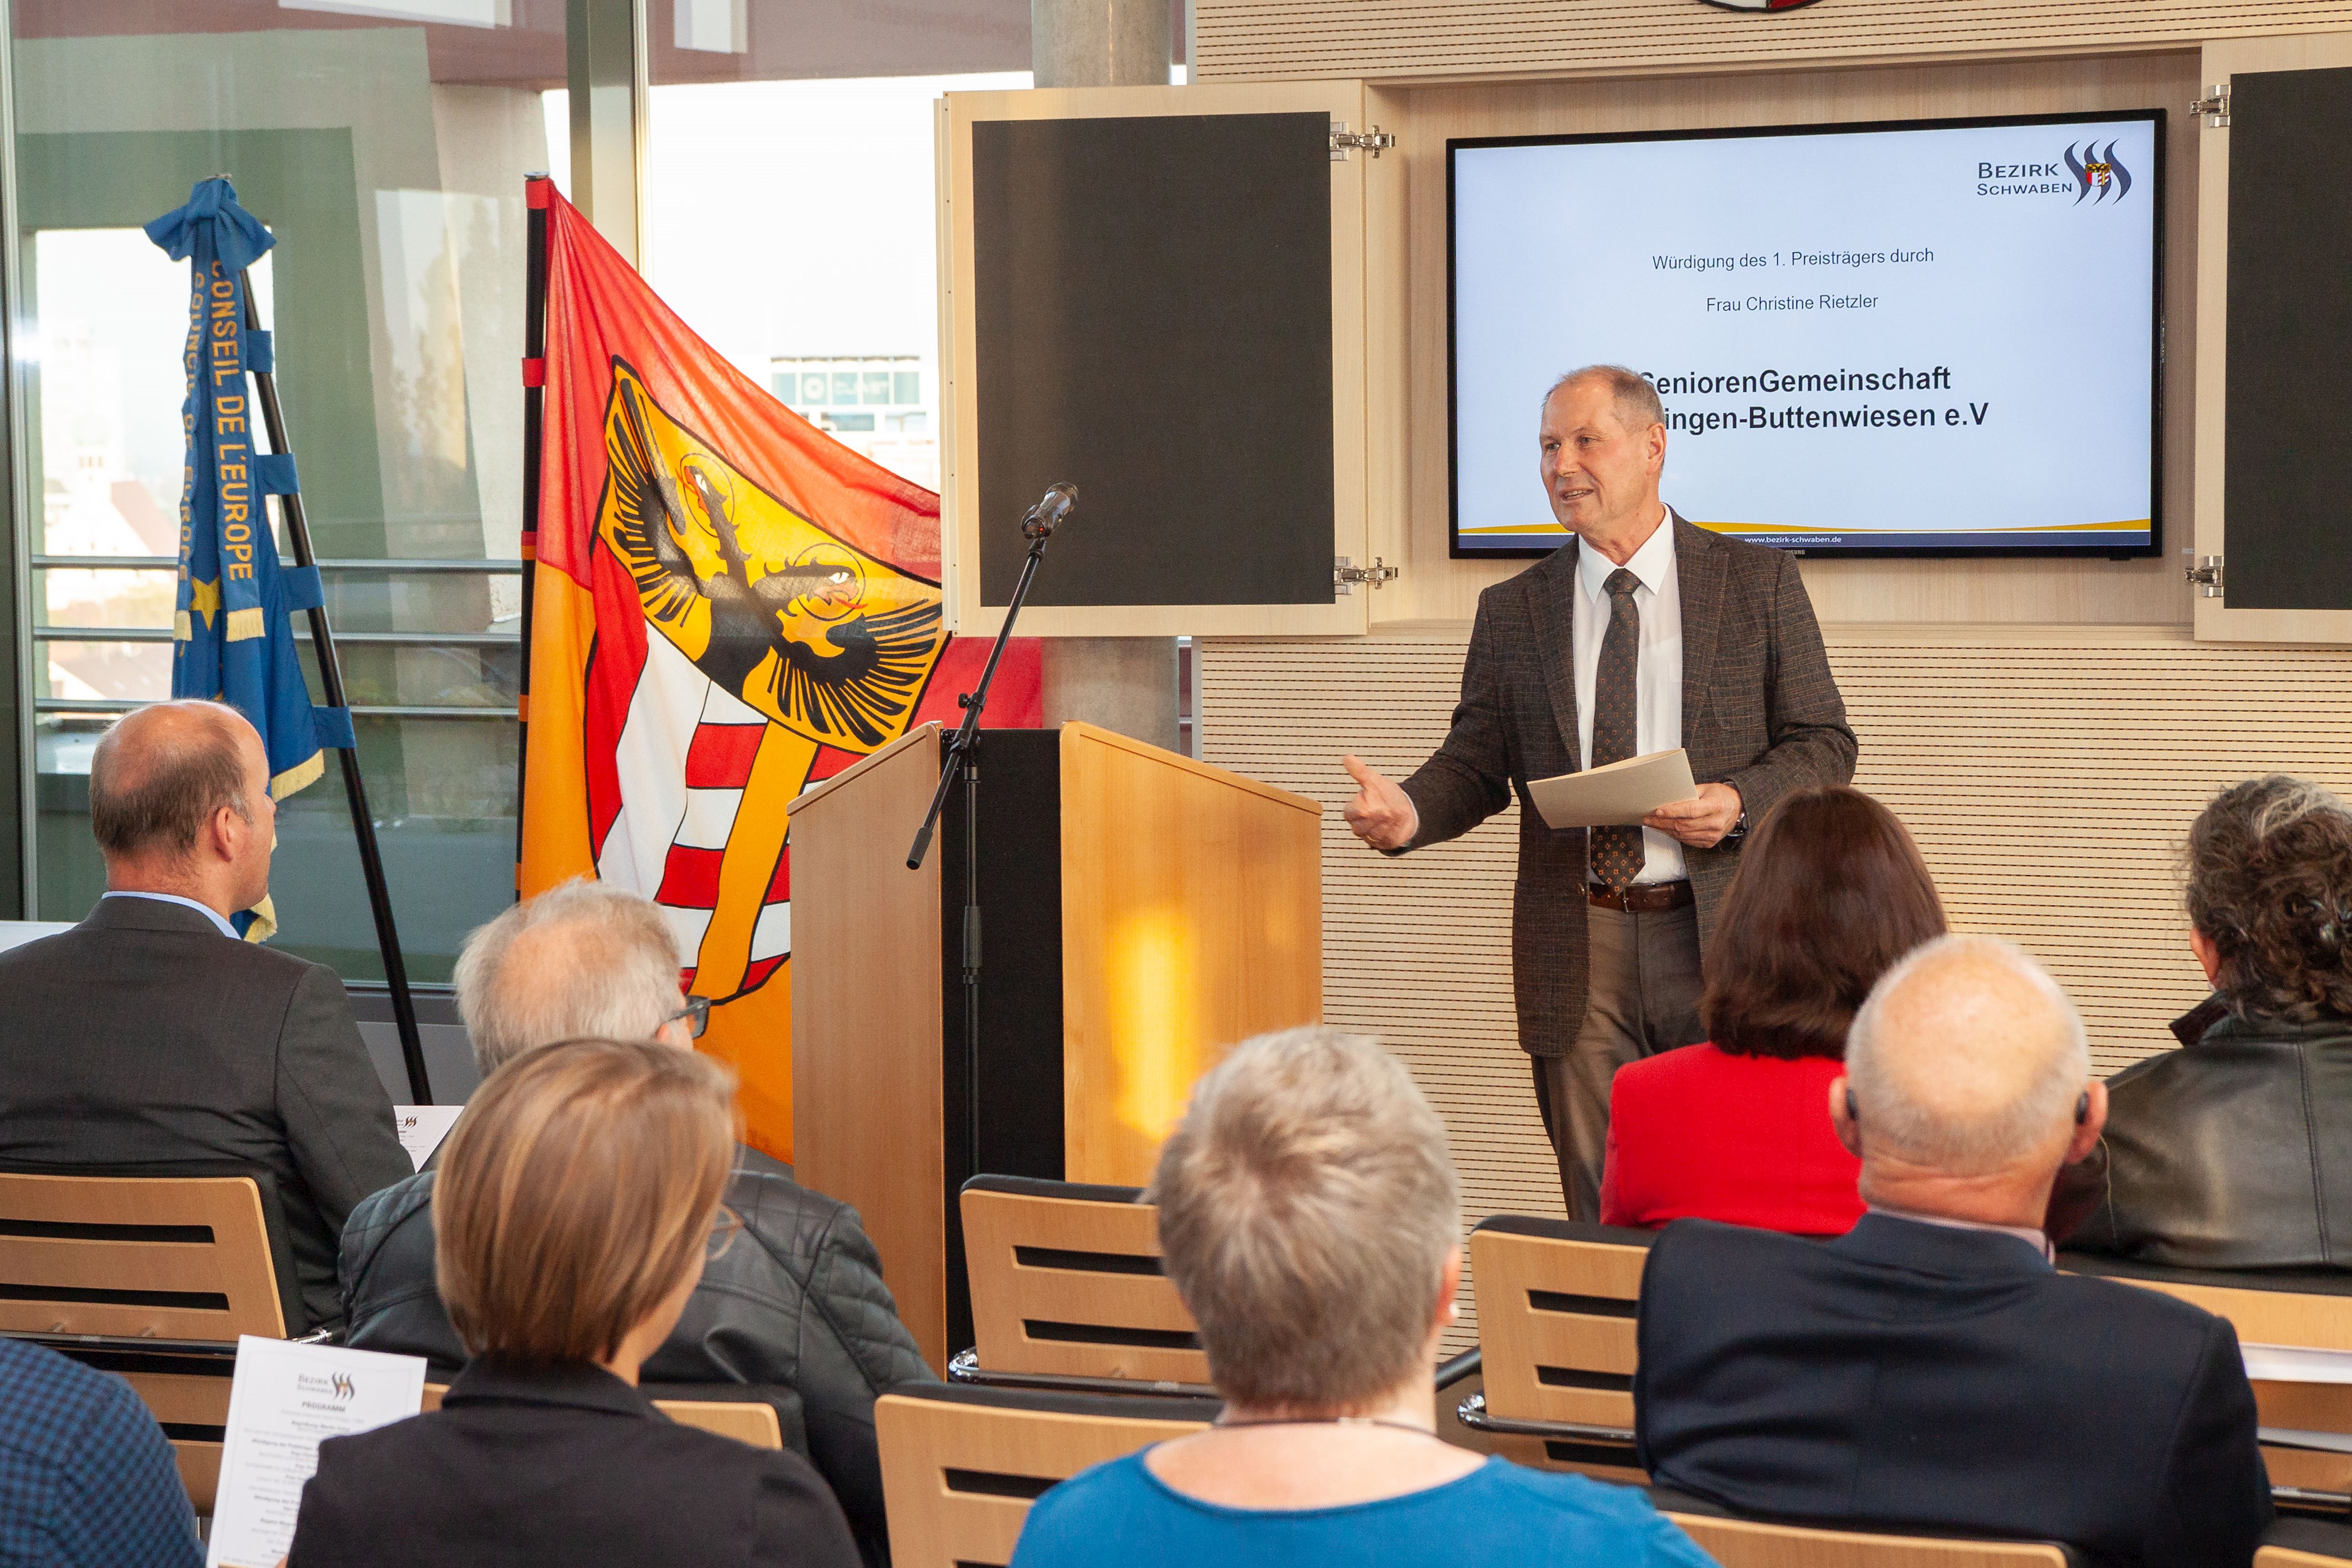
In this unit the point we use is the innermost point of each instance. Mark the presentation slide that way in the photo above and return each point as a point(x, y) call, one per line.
point(1929, 337)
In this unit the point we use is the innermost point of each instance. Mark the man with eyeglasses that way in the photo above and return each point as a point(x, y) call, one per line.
point(792, 1300)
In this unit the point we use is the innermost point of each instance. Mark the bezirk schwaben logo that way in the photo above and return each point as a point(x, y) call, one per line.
point(341, 1384)
point(2101, 172)
point(2084, 172)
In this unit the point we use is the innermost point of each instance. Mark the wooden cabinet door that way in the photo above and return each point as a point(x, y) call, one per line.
point(2274, 341)
point(1156, 293)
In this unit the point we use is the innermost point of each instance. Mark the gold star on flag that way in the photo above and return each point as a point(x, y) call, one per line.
point(203, 598)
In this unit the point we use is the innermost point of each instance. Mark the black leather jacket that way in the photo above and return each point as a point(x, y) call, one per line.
point(796, 1304)
point(2235, 1152)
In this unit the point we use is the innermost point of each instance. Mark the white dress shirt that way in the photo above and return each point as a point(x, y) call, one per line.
point(206, 910)
point(1657, 667)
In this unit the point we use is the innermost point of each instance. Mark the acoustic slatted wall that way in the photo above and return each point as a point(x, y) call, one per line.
point(1426, 40)
point(2049, 779)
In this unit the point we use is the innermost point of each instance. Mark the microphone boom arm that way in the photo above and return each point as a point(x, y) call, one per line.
point(967, 737)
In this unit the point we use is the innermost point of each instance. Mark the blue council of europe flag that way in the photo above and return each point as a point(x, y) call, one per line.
point(232, 641)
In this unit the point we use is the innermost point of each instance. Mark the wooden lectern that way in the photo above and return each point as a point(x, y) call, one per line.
point(1140, 912)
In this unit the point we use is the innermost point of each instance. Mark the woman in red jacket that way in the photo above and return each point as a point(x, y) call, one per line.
point(1831, 892)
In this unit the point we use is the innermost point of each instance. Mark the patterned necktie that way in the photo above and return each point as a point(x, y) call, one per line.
point(1617, 852)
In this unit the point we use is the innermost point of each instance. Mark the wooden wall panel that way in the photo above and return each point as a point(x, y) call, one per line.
point(1408, 489)
point(1425, 39)
point(2049, 775)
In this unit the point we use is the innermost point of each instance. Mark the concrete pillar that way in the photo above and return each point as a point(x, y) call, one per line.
point(605, 45)
point(1125, 683)
point(1100, 43)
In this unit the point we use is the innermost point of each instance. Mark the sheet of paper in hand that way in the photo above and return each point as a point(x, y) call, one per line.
point(1616, 795)
point(285, 1399)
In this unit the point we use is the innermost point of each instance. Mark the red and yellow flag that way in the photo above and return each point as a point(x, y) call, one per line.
point(727, 605)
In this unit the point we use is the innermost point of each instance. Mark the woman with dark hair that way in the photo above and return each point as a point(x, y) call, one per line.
point(2235, 1152)
point(1831, 892)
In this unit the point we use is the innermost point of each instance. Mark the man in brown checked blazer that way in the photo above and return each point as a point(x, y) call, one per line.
point(1640, 634)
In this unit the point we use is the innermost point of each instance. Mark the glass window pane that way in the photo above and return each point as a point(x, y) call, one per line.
point(81, 596)
point(385, 144)
point(764, 40)
point(106, 374)
point(369, 599)
point(105, 672)
point(835, 150)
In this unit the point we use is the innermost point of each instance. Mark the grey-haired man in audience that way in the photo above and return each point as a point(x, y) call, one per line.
point(796, 1301)
point(1931, 1368)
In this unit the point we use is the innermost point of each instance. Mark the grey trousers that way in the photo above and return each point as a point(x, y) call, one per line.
point(1643, 1000)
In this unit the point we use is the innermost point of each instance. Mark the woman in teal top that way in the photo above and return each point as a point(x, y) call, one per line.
point(1308, 1214)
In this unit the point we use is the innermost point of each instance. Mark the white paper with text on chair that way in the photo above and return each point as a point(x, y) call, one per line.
point(422, 1128)
point(1617, 794)
point(285, 1399)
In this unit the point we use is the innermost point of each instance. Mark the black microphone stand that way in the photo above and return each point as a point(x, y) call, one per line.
point(963, 752)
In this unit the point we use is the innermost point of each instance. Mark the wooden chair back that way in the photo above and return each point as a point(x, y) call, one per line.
point(1748, 1544)
point(960, 1465)
point(2307, 1319)
point(1066, 1282)
point(1556, 1316)
point(751, 1421)
point(2290, 1557)
point(173, 1258)
point(122, 1263)
point(190, 1401)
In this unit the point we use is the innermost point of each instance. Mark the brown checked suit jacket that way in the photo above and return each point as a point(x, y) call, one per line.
point(1761, 713)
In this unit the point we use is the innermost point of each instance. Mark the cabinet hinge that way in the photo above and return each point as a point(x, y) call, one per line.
point(1371, 138)
point(1345, 574)
point(2206, 575)
point(2214, 106)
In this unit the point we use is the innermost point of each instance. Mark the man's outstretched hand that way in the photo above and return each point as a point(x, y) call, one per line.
point(1381, 814)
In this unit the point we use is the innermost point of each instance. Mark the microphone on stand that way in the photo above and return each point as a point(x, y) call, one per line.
point(1038, 528)
point(1048, 514)
point(963, 757)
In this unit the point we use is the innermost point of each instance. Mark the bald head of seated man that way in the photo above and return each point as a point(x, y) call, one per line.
point(1932, 1369)
point(1978, 1073)
point(150, 1038)
point(792, 1302)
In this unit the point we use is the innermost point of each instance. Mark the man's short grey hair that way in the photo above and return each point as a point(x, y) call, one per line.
point(1306, 1208)
point(601, 964)
point(1637, 400)
point(1932, 1137)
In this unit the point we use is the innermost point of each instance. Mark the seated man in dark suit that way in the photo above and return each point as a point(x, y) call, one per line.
point(797, 1302)
point(150, 1036)
point(1930, 1369)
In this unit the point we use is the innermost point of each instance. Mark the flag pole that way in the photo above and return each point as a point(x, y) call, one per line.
point(330, 677)
point(535, 188)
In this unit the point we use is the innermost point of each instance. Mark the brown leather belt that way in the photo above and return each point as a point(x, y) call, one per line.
point(1645, 898)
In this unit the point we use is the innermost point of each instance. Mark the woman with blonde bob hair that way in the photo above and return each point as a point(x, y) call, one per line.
point(577, 1201)
point(1309, 1217)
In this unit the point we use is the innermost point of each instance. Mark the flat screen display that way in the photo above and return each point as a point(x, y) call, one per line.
point(1931, 338)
